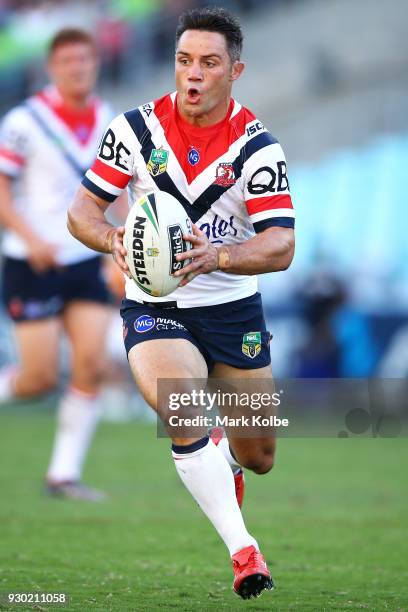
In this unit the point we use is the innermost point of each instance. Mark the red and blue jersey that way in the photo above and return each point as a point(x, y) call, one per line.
point(230, 177)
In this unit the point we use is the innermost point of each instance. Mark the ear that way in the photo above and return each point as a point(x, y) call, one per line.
point(237, 70)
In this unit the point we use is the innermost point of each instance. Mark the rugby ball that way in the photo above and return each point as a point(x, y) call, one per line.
point(153, 237)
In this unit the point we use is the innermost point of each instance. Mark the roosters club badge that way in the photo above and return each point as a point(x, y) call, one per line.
point(224, 175)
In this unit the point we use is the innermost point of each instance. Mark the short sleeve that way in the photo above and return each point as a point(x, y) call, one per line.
point(113, 167)
point(14, 142)
point(266, 187)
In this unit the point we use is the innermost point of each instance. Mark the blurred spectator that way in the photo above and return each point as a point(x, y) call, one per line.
point(322, 294)
point(133, 35)
point(113, 38)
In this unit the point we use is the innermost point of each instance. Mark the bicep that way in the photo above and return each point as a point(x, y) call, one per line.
point(6, 194)
point(284, 235)
point(86, 199)
point(113, 168)
point(266, 190)
point(278, 244)
point(5, 181)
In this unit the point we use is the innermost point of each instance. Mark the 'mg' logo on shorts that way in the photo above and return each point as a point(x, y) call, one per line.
point(251, 344)
point(144, 323)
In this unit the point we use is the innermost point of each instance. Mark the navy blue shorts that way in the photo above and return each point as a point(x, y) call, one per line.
point(30, 296)
point(232, 333)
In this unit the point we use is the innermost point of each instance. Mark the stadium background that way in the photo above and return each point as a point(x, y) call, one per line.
point(330, 80)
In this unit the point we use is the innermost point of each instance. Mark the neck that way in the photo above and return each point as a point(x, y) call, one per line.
point(75, 102)
point(205, 119)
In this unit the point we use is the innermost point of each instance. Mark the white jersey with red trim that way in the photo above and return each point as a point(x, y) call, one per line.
point(47, 158)
point(230, 177)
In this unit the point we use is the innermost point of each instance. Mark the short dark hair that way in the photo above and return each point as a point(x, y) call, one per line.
point(69, 36)
point(214, 19)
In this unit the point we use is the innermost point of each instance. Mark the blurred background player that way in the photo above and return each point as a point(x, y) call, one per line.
point(51, 282)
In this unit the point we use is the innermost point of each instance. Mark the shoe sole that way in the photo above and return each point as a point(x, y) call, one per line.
point(252, 586)
point(76, 495)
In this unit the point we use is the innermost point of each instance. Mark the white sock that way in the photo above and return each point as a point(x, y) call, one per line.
point(78, 415)
point(207, 476)
point(7, 376)
point(224, 447)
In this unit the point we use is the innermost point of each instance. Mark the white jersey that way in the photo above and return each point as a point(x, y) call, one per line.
point(230, 177)
point(47, 149)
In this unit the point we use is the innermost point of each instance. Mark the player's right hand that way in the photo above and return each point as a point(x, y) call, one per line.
point(118, 250)
point(42, 255)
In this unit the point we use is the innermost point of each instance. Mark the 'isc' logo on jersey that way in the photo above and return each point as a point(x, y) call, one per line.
point(157, 163)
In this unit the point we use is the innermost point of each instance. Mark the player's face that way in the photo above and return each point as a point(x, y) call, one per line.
point(204, 76)
point(73, 69)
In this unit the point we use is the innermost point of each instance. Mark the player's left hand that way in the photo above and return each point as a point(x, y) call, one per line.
point(204, 256)
point(117, 249)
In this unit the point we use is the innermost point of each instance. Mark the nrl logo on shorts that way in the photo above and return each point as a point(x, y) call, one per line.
point(157, 163)
point(251, 344)
point(224, 175)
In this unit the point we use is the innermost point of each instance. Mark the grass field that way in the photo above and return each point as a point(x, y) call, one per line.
point(332, 520)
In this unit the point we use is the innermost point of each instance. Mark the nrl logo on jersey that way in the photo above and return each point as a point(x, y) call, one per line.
point(224, 175)
point(157, 163)
point(251, 344)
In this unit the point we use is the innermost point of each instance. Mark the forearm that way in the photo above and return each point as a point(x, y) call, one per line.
point(9, 217)
point(88, 224)
point(270, 251)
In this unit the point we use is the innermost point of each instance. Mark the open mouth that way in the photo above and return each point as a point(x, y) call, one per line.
point(193, 95)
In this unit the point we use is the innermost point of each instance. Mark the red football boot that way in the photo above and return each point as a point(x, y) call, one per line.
point(251, 575)
point(216, 435)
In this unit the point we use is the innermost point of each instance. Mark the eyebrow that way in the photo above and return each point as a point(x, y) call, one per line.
point(203, 56)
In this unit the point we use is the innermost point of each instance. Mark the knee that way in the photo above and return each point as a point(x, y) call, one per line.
point(95, 376)
point(261, 463)
point(90, 370)
point(42, 382)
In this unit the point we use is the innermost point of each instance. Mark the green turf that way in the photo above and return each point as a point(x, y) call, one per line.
point(331, 519)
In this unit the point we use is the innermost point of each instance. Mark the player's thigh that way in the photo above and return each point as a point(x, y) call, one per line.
point(38, 346)
point(253, 451)
point(86, 324)
point(175, 359)
point(223, 370)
